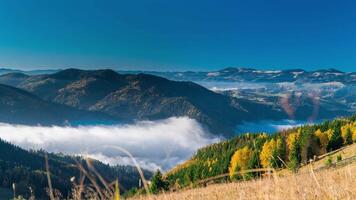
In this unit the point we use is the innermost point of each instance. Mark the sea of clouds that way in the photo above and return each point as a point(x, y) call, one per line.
point(154, 144)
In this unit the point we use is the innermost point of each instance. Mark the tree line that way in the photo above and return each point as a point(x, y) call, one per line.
point(285, 149)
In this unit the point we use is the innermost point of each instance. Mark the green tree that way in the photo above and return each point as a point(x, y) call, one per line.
point(294, 151)
point(254, 163)
point(335, 139)
point(348, 136)
point(158, 184)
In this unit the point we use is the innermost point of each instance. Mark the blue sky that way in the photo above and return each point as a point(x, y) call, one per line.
point(178, 35)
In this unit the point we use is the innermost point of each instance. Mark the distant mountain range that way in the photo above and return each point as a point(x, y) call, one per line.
point(238, 74)
point(140, 97)
point(28, 72)
point(253, 75)
point(137, 96)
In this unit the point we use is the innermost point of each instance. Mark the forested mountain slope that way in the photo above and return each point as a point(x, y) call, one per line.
point(27, 169)
point(287, 149)
point(21, 107)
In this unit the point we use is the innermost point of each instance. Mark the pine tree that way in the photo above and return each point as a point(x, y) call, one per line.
point(158, 184)
point(335, 139)
point(294, 151)
point(254, 163)
point(348, 137)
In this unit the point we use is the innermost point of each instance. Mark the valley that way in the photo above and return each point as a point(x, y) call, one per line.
point(87, 113)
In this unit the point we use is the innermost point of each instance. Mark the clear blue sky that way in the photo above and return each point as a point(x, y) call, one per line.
point(178, 35)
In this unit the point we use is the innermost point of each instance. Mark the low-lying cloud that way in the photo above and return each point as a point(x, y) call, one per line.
point(268, 126)
point(154, 144)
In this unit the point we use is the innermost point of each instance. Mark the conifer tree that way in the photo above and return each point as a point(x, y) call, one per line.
point(158, 184)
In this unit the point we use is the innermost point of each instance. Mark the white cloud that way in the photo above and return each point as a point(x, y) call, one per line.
point(155, 144)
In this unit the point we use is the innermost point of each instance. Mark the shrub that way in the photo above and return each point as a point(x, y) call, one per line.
point(329, 161)
point(338, 158)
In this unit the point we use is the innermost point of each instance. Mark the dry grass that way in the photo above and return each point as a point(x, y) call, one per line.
point(327, 184)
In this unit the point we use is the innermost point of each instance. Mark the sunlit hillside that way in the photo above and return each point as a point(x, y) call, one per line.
point(313, 181)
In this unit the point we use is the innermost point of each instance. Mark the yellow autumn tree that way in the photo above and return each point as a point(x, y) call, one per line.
point(329, 133)
point(239, 160)
point(353, 130)
point(292, 139)
point(346, 133)
point(323, 138)
point(267, 152)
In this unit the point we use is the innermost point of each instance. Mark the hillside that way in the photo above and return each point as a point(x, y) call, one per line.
point(27, 169)
point(293, 147)
point(250, 156)
point(141, 96)
point(331, 183)
point(13, 79)
point(18, 106)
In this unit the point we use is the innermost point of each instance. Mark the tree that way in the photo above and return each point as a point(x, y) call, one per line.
point(353, 130)
point(267, 153)
point(294, 151)
point(272, 152)
point(335, 139)
point(240, 161)
point(323, 140)
point(158, 184)
point(254, 163)
point(348, 137)
point(346, 134)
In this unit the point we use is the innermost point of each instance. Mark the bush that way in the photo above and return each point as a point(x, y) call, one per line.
point(329, 161)
point(338, 158)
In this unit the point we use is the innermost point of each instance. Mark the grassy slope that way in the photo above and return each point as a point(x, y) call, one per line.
point(321, 183)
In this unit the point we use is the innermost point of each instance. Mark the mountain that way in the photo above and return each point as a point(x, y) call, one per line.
point(19, 106)
point(253, 75)
point(301, 104)
point(142, 96)
point(235, 74)
point(327, 92)
point(26, 169)
point(29, 72)
point(129, 97)
point(7, 71)
point(13, 79)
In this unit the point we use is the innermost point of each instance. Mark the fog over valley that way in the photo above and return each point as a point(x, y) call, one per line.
point(154, 144)
point(158, 144)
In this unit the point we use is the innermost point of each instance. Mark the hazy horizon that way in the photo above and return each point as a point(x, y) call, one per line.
point(165, 70)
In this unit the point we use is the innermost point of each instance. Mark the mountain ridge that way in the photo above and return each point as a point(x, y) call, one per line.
point(143, 97)
point(21, 107)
